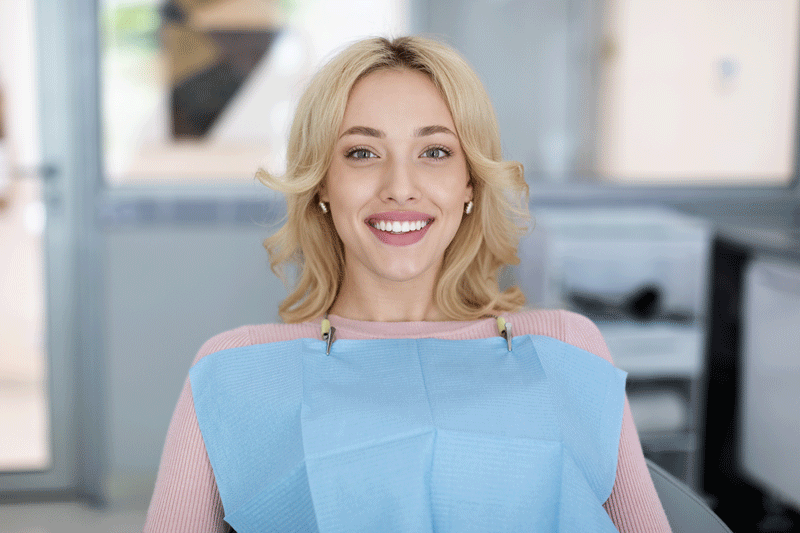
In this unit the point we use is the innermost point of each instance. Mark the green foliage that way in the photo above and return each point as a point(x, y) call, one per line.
point(288, 6)
point(131, 25)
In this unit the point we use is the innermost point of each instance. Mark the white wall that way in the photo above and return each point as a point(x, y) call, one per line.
point(168, 290)
point(525, 53)
point(701, 90)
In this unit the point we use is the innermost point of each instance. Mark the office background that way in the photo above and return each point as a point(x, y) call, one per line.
point(132, 225)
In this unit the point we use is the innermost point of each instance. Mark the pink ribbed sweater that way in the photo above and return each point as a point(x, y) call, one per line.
point(186, 499)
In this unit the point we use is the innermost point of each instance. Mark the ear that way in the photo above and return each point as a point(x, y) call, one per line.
point(322, 192)
point(468, 192)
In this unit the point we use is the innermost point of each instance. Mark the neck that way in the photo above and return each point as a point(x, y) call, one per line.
point(387, 301)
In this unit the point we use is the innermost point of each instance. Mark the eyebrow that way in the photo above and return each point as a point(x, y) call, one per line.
point(419, 132)
point(430, 130)
point(364, 130)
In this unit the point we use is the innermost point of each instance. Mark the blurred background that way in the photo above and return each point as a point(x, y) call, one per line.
point(659, 138)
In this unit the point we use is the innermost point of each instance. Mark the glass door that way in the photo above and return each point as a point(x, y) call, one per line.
point(24, 397)
point(50, 371)
point(25, 435)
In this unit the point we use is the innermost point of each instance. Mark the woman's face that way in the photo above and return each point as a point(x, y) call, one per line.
point(398, 181)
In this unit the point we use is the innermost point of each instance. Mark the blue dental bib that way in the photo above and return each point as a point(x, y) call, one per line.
point(411, 435)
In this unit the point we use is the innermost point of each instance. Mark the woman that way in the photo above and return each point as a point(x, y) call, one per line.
point(398, 396)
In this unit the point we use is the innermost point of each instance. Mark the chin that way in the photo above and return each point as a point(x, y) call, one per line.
point(401, 273)
point(399, 277)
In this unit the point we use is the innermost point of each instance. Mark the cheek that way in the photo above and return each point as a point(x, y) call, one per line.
point(345, 188)
point(451, 194)
point(347, 201)
point(346, 208)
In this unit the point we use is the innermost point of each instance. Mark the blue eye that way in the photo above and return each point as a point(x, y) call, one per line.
point(360, 153)
point(437, 152)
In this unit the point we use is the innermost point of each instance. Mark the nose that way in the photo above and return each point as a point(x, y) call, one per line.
point(399, 182)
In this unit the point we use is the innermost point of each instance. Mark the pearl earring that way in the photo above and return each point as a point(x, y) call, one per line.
point(468, 208)
point(323, 207)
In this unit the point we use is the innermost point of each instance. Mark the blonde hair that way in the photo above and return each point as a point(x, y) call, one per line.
point(467, 286)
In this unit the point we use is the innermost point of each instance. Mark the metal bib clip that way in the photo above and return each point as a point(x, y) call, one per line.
point(505, 330)
point(328, 332)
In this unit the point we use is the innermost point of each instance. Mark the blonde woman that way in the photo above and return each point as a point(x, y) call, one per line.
point(405, 391)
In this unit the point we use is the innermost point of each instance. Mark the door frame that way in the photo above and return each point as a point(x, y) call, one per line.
point(68, 64)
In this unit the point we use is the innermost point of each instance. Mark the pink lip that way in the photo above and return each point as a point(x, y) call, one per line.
point(400, 216)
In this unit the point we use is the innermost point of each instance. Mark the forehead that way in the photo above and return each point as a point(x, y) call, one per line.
point(396, 97)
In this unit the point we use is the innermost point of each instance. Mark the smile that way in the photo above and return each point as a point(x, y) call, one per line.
point(397, 227)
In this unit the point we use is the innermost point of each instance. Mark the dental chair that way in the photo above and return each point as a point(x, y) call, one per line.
point(686, 511)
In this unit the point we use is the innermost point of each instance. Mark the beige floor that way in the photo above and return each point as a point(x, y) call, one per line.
point(68, 518)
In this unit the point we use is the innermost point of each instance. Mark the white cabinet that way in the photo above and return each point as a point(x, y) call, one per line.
point(642, 275)
point(770, 388)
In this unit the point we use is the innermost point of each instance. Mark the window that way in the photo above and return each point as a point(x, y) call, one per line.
point(656, 92)
point(661, 92)
point(205, 90)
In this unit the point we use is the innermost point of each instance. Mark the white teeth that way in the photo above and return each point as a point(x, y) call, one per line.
point(399, 227)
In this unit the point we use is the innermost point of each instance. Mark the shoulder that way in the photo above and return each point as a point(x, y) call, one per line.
point(565, 326)
point(254, 334)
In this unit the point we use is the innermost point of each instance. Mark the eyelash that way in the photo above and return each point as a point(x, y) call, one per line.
point(447, 151)
point(351, 152)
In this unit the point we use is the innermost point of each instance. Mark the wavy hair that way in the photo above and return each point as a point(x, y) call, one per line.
point(467, 286)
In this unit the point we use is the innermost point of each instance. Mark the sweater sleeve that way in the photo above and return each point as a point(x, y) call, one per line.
point(634, 505)
point(185, 498)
